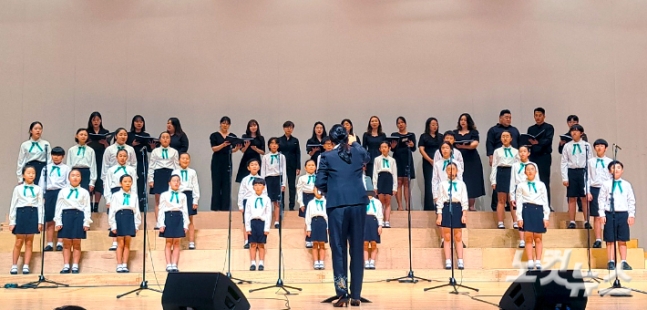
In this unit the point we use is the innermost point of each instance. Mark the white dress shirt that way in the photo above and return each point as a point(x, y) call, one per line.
point(316, 207)
point(270, 166)
point(385, 164)
point(518, 175)
point(503, 157)
point(246, 189)
point(57, 177)
point(258, 208)
point(459, 194)
point(456, 155)
point(73, 198)
point(189, 182)
point(623, 198)
point(598, 172)
point(440, 175)
point(537, 194)
point(574, 156)
point(305, 184)
point(162, 158)
point(112, 179)
point(82, 156)
point(374, 208)
point(119, 202)
point(31, 150)
point(110, 158)
point(23, 196)
point(172, 201)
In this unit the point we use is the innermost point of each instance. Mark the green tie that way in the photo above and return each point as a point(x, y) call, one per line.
point(577, 146)
point(453, 184)
point(600, 162)
point(175, 195)
point(80, 151)
point(311, 179)
point(75, 191)
point(31, 189)
point(35, 144)
point(521, 167)
point(532, 184)
point(120, 147)
point(126, 199)
point(272, 157)
point(251, 180)
point(258, 199)
point(445, 164)
point(385, 163)
point(57, 169)
point(185, 175)
point(508, 152)
point(164, 153)
point(319, 204)
point(121, 168)
point(617, 184)
point(371, 206)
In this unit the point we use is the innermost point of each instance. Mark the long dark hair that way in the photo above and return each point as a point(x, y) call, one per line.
point(90, 127)
point(137, 118)
point(470, 122)
point(369, 129)
point(248, 132)
point(352, 128)
point(428, 124)
point(323, 132)
point(339, 136)
point(176, 125)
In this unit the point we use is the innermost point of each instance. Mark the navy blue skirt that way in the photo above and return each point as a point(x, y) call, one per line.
point(189, 203)
point(533, 218)
point(385, 183)
point(85, 178)
point(38, 165)
point(258, 232)
point(273, 187)
point(503, 179)
point(319, 231)
point(26, 221)
point(370, 228)
point(174, 225)
point(72, 225)
point(161, 177)
point(453, 220)
point(125, 223)
point(307, 197)
point(51, 195)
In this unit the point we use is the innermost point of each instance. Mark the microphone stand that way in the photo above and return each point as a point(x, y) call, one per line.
point(228, 273)
point(589, 274)
point(410, 277)
point(452, 280)
point(41, 277)
point(279, 283)
point(616, 283)
point(144, 200)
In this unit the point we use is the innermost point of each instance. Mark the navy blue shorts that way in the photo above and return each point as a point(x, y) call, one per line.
point(594, 206)
point(189, 203)
point(617, 230)
point(258, 232)
point(576, 183)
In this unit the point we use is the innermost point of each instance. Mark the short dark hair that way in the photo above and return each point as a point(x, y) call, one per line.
point(249, 162)
point(572, 118)
point(77, 132)
point(600, 142)
point(449, 133)
point(326, 139)
point(272, 140)
point(70, 308)
point(258, 181)
point(288, 124)
point(577, 127)
point(184, 153)
point(57, 150)
point(310, 160)
point(613, 163)
point(540, 109)
point(504, 112)
point(525, 146)
point(125, 176)
point(174, 175)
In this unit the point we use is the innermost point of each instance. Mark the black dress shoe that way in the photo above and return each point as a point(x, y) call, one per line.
point(355, 302)
point(341, 302)
point(48, 248)
point(587, 225)
point(597, 244)
point(59, 248)
point(571, 226)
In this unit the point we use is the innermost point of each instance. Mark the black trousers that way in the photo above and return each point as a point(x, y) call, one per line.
point(346, 229)
point(544, 162)
point(292, 188)
point(428, 173)
point(220, 186)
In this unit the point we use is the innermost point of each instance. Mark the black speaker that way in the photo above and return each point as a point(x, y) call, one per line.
point(202, 291)
point(523, 294)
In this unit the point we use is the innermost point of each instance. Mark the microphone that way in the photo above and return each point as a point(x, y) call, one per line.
point(617, 146)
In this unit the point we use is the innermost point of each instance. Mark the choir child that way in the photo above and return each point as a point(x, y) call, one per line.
point(317, 228)
point(82, 158)
point(32, 152)
point(305, 192)
point(173, 221)
point(25, 217)
point(327, 146)
point(372, 227)
point(163, 161)
point(574, 157)
point(598, 176)
point(97, 141)
point(450, 137)
point(517, 176)
point(502, 160)
point(110, 155)
point(246, 190)
point(124, 219)
point(533, 213)
point(57, 178)
point(274, 172)
point(190, 187)
point(73, 219)
point(112, 183)
point(289, 146)
point(440, 175)
point(385, 180)
point(258, 216)
point(617, 208)
point(452, 213)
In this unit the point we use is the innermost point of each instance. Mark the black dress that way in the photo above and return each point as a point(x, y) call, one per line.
point(431, 145)
point(220, 174)
point(99, 149)
point(473, 172)
point(141, 160)
point(250, 154)
point(180, 143)
point(403, 156)
point(313, 141)
point(372, 145)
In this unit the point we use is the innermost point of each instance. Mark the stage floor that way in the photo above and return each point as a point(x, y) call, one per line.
point(384, 296)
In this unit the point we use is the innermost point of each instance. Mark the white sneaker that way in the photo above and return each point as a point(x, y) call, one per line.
point(387, 225)
point(121, 269)
point(191, 245)
point(113, 247)
point(316, 265)
point(367, 265)
point(321, 265)
point(522, 244)
point(448, 264)
point(371, 265)
point(515, 225)
point(308, 244)
point(461, 265)
point(531, 265)
point(501, 226)
point(538, 265)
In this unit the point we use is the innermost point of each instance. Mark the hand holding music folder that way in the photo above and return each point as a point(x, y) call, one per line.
point(100, 136)
point(237, 141)
point(565, 138)
point(463, 142)
point(147, 140)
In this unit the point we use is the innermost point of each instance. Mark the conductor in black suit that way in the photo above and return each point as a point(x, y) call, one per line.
point(341, 179)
